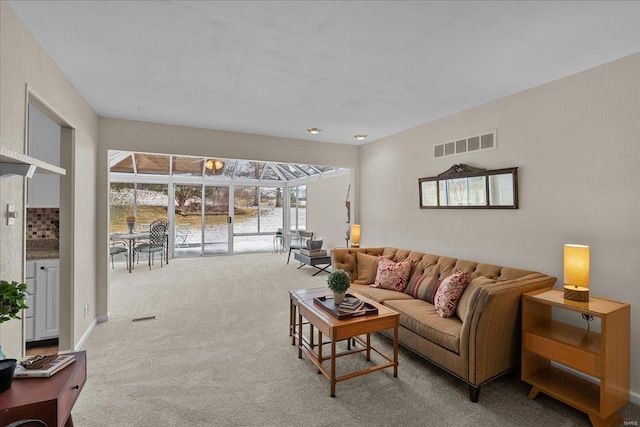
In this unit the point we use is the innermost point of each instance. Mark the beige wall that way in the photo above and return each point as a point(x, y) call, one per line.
point(128, 135)
point(327, 214)
point(23, 62)
point(576, 142)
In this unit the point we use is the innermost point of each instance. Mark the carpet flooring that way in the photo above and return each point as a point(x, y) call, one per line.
point(218, 353)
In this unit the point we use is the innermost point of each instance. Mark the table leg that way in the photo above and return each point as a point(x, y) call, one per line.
point(299, 335)
point(130, 255)
point(166, 252)
point(395, 351)
point(292, 321)
point(319, 349)
point(321, 269)
point(368, 347)
point(333, 367)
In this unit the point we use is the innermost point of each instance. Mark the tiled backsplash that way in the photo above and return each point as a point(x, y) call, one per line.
point(42, 223)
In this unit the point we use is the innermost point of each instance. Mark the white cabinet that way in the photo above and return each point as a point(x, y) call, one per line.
point(29, 321)
point(44, 302)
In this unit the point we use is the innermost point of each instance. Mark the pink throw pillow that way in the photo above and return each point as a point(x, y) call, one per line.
point(448, 294)
point(392, 275)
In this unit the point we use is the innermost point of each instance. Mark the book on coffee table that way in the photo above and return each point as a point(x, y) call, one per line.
point(313, 253)
point(329, 305)
point(48, 369)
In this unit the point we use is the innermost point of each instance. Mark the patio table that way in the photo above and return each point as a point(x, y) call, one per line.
point(131, 238)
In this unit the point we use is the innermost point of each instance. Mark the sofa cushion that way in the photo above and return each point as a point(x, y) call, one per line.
point(421, 318)
point(465, 298)
point(448, 294)
point(367, 268)
point(423, 287)
point(392, 275)
point(378, 294)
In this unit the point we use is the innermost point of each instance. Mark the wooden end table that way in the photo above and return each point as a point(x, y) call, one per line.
point(603, 355)
point(338, 330)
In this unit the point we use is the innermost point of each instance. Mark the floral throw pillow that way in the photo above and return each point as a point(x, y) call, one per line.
point(392, 275)
point(448, 294)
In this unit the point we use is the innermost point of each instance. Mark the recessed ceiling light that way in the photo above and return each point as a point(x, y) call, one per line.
point(313, 131)
point(360, 137)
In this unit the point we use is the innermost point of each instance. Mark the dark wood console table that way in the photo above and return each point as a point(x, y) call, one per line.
point(47, 399)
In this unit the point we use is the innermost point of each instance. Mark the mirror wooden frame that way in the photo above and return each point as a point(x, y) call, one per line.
point(467, 187)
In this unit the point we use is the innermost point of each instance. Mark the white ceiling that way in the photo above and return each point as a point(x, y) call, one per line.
point(278, 68)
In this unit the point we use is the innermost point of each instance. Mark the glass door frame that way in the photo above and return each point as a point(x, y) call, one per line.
point(229, 219)
point(172, 216)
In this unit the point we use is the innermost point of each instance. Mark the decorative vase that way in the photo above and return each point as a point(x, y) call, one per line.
point(338, 297)
point(314, 245)
point(7, 366)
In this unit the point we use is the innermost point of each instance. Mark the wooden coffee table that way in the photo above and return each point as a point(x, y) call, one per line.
point(336, 330)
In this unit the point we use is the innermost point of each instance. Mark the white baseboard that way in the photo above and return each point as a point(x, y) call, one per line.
point(87, 333)
point(634, 397)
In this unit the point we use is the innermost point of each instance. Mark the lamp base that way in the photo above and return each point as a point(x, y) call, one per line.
point(353, 245)
point(576, 293)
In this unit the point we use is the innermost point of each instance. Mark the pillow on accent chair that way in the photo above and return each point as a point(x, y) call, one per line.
point(392, 275)
point(423, 287)
point(448, 294)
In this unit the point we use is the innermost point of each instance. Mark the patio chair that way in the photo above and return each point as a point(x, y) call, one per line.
point(117, 248)
point(157, 240)
point(182, 233)
point(302, 236)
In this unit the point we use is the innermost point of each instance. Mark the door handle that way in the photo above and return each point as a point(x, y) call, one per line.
point(42, 268)
point(228, 220)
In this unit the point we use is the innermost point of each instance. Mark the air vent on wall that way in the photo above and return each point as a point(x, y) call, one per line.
point(467, 145)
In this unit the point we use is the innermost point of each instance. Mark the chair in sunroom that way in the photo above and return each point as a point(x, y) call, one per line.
point(182, 233)
point(118, 248)
point(157, 241)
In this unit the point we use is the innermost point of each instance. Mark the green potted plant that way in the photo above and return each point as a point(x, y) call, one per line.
point(339, 281)
point(12, 301)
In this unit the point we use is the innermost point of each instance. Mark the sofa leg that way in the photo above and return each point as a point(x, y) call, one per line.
point(474, 393)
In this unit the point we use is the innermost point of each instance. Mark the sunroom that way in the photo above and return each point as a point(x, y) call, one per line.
point(214, 205)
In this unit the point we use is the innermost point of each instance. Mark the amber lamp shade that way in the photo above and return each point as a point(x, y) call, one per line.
point(355, 236)
point(576, 272)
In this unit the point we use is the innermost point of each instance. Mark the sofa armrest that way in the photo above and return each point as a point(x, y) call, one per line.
point(492, 326)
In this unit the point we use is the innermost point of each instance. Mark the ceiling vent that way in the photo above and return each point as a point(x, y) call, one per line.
point(486, 141)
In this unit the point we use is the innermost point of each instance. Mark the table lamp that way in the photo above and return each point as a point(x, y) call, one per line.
point(355, 236)
point(576, 272)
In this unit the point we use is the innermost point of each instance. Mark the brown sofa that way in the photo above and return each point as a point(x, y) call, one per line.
point(481, 341)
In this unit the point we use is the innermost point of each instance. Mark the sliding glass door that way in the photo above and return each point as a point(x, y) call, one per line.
point(216, 220)
point(188, 220)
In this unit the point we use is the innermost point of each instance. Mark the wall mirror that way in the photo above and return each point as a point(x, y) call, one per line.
point(468, 187)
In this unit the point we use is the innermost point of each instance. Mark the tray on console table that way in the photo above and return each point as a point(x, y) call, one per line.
point(330, 306)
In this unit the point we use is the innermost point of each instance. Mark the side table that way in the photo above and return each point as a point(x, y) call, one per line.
point(49, 400)
point(314, 262)
point(604, 356)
